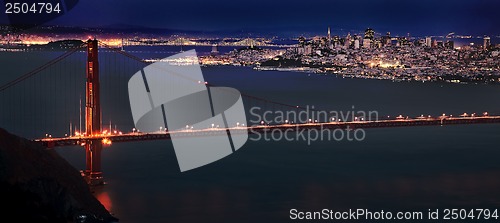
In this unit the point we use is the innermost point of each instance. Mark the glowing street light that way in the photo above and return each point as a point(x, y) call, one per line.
point(106, 141)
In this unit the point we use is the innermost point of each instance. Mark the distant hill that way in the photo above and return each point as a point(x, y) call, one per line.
point(61, 44)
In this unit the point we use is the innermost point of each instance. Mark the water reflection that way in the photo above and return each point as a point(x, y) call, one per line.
point(418, 192)
point(104, 198)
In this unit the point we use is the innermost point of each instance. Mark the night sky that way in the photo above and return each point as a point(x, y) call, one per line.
point(423, 17)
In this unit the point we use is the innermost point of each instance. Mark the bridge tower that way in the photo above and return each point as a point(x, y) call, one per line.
point(93, 148)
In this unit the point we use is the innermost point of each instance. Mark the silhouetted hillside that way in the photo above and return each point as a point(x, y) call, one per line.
point(37, 185)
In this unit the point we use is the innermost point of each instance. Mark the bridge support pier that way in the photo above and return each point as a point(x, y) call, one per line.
point(93, 172)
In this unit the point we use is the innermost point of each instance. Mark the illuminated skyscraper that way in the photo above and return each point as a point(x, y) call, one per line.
point(486, 42)
point(357, 41)
point(369, 34)
point(329, 35)
point(366, 43)
point(336, 41)
point(387, 39)
point(434, 43)
point(347, 41)
point(449, 44)
point(428, 41)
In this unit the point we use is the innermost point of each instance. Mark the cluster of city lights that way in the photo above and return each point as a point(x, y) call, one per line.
point(385, 64)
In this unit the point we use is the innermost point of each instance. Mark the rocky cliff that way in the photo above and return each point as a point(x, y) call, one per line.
point(37, 185)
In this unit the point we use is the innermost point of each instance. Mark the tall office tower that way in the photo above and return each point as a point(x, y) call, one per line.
point(486, 42)
point(387, 39)
point(428, 41)
point(356, 42)
point(329, 35)
point(336, 41)
point(369, 34)
point(347, 42)
point(449, 44)
point(366, 43)
point(434, 43)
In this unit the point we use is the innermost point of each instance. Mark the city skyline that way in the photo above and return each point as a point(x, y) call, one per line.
point(422, 18)
point(258, 111)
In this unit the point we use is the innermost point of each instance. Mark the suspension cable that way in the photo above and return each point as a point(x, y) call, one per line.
point(39, 69)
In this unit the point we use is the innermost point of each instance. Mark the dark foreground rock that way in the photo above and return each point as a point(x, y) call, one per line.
point(37, 185)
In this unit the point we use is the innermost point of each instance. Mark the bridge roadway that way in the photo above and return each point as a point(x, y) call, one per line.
point(166, 135)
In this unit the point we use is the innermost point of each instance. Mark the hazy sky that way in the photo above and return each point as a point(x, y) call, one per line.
point(422, 17)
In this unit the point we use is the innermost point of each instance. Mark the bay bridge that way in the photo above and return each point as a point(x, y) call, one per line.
point(63, 103)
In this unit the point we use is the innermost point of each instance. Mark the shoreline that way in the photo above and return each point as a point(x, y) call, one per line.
point(370, 77)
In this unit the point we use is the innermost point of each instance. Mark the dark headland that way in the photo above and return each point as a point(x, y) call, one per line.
point(37, 185)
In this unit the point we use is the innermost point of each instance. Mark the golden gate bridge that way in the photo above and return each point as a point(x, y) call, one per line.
point(51, 97)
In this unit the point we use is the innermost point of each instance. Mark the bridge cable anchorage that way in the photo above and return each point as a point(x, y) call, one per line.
point(207, 84)
point(39, 69)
